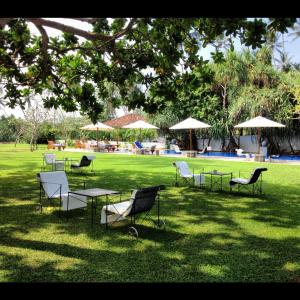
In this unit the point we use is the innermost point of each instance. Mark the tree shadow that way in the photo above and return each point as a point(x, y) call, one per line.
point(203, 241)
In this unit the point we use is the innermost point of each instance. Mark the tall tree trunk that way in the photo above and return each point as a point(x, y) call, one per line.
point(31, 143)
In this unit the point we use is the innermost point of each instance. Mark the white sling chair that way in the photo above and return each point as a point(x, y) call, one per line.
point(240, 153)
point(188, 177)
point(175, 148)
point(49, 159)
point(56, 186)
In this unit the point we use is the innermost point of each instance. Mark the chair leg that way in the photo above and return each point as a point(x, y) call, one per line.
point(41, 204)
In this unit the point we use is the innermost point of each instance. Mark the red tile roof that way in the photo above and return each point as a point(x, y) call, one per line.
point(124, 120)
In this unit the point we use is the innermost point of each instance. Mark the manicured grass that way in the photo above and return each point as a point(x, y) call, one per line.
point(209, 237)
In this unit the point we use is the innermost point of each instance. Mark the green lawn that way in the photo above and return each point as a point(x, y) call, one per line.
point(209, 237)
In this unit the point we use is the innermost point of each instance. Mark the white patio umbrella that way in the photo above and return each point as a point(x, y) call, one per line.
point(96, 127)
point(190, 123)
point(140, 125)
point(259, 123)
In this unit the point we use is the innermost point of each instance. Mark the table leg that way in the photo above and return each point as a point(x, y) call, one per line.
point(106, 203)
point(221, 183)
point(92, 211)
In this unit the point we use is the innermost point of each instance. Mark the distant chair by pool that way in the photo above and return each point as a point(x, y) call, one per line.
point(175, 148)
point(240, 153)
point(139, 149)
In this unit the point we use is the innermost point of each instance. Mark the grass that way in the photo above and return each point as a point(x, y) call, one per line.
point(210, 237)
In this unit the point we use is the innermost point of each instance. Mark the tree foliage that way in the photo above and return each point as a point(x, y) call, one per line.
point(119, 52)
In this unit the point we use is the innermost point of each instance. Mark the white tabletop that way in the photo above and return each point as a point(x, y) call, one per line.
point(95, 192)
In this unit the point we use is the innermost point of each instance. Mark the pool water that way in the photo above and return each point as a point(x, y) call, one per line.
point(229, 154)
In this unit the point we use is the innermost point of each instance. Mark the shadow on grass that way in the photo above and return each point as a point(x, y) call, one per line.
point(204, 240)
point(177, 257)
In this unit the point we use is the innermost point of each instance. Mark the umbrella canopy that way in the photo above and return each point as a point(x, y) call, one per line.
point(96, 127)
point(140, 125)
point(259, 122)
point(190, 123)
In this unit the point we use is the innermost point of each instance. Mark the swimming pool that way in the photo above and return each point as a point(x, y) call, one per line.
point(230, 154)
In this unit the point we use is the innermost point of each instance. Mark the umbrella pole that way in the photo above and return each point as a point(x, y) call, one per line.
point(190, 139)
point(258, 139)
point(117, 138)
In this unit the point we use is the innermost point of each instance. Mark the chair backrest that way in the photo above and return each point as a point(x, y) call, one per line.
point(255, 175)
point(239, 151)
point(183, 168)
point(78, 143)
point(91, 157)
point(138, 144)
point(175, 148)
point(49, 158)
point(52, 181)
point(85, 161)
point(143, 199)
point(204, 150)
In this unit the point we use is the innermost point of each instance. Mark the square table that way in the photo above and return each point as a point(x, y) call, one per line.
point(61, 164)
point(220, 175)
point(94, 193)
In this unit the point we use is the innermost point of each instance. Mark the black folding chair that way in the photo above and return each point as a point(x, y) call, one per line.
point(141, 202)
point(254, 181)
point(84, 163)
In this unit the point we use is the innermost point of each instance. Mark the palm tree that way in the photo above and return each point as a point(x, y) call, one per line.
point(273, 42)
point(284, 61)
point(296, 30)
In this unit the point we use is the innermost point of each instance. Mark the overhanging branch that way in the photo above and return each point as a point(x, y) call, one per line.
point(92, 36)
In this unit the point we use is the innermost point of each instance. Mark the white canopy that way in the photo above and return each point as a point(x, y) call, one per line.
point(97, 126)
point(259, 122)
point(190, 123)
point(140, 125)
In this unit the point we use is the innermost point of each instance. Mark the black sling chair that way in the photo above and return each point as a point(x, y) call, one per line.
point(255, 180)
point(84, 163)
point(141, 201)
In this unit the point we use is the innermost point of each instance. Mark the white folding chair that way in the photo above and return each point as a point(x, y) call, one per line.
point(55, 186)
point(186, 175)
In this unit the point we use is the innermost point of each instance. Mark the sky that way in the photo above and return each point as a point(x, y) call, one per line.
point(292, 46)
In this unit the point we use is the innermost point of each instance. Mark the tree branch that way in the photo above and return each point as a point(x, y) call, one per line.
point(92, 36)
point(125, 30)
point(88, 20)
point(45, 41)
